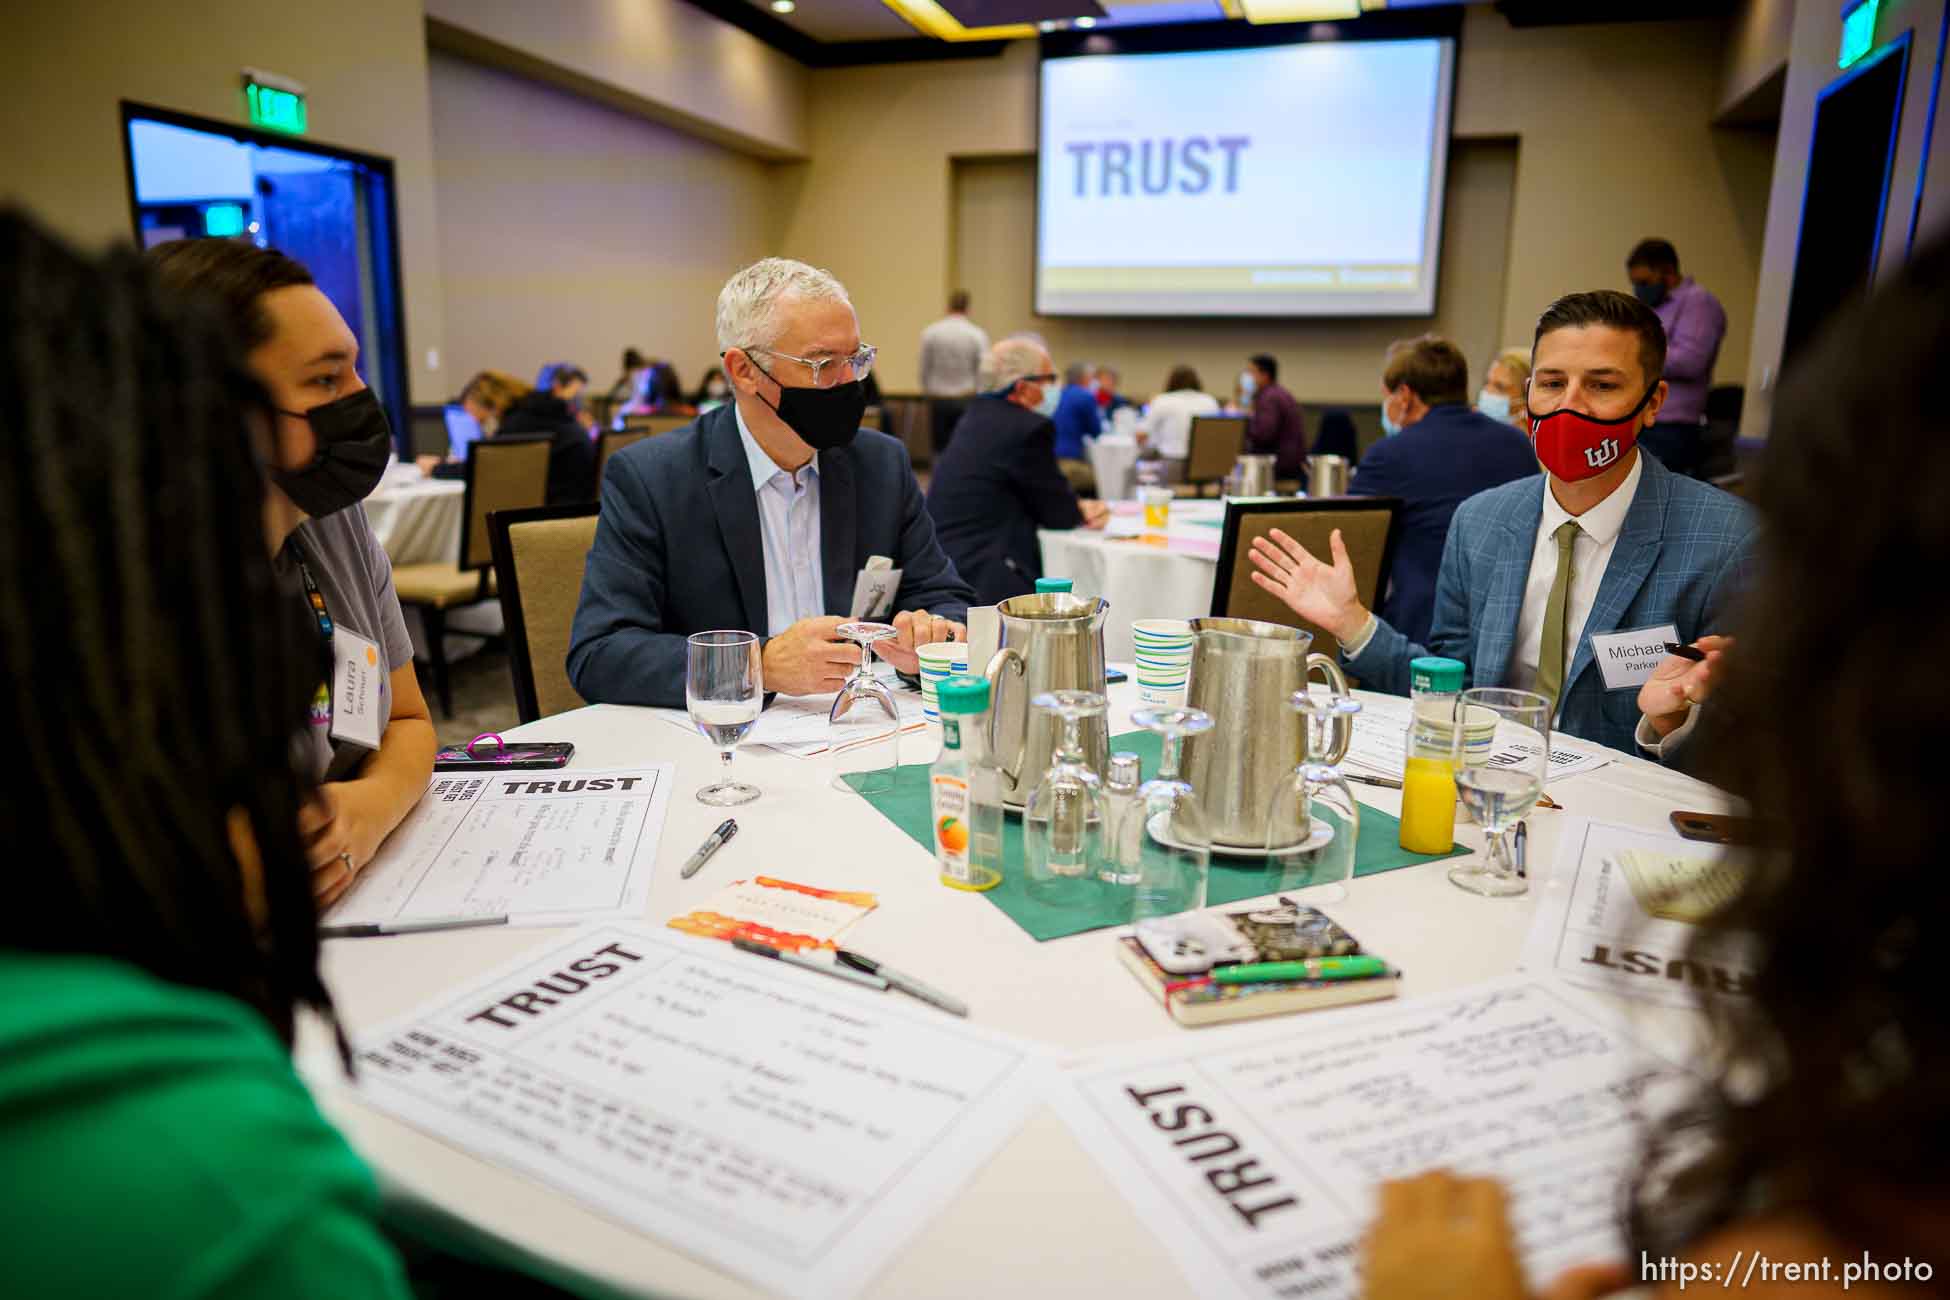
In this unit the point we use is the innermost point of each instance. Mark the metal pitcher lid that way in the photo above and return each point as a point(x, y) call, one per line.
point(1053, 606)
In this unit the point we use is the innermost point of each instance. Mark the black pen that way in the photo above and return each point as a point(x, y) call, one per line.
point(712, 843)
point(376, 929)
point(905, 983)
point(1385, 782)
point(1523, 847)
point(1691, 652)
point(837, 971)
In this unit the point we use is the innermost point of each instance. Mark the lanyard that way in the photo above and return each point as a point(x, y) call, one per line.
point(315, 598)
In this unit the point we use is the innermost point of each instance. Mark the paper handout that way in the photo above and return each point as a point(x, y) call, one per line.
point(1618, 914)
point(1257, 1164)
point(547, 847)
point(785, 1127)
point(777, 913)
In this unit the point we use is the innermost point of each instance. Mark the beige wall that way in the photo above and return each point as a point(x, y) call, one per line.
point(1811, 67)
point(1614, 144)
point(1325, 359)
point(569, 230)
point(63, 69)
point(663, 58)
point(1758, 40)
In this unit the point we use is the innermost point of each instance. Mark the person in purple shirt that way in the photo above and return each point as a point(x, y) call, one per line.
point(1695, 323)
point(1273, 425)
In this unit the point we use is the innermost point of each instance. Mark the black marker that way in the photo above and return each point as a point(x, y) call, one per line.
point(1693, 653)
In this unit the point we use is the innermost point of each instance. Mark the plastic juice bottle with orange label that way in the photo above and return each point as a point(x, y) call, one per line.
point(1428, 769)
point(962, 786)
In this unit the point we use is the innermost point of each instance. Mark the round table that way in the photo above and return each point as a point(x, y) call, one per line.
point(418, 521)
point(1040, 1218)
point(1140, 578)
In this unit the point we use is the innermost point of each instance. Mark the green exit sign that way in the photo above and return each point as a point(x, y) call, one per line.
point(1858, 32)
point(274, 103)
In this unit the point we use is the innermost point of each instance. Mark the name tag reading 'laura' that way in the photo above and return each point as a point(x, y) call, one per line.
point(1627, 658)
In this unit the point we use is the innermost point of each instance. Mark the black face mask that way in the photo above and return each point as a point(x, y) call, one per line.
point(354, 443)
point(824, 418)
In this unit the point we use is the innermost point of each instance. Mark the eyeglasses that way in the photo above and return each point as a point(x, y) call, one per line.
point(827, 372)
point(1038, 379)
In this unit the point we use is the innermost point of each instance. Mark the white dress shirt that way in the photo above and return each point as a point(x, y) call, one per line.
point(788, 521)
point(951, 356)
point(1598, 530)
point(1167, 421)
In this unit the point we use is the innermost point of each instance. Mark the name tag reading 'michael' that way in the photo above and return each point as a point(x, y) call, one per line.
point(1627, 658)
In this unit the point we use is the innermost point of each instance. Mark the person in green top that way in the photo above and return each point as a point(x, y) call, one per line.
point(159, 934)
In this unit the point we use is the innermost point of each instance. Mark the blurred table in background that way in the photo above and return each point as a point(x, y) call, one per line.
point(1141, 578)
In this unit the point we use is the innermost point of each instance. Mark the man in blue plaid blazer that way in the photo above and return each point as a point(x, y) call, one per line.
point(1569, 586)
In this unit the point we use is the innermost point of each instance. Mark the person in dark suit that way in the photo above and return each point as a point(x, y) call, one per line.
point(551, 411)
point(1442, 452)
point(761, 514)
point(997, 482)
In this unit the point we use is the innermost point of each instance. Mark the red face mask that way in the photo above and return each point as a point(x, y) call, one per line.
point(1575, 446)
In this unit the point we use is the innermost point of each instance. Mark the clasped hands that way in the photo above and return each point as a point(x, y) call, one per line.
point(810, 657)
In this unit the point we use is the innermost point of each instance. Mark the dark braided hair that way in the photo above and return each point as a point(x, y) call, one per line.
point(1832, 723)
point(154, 673)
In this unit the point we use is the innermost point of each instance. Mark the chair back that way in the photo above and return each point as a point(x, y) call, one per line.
point(612, 441)
point(652, 425)
point(1214, 447)
point(1368, 526)
point(539, 555)
point(505, 472)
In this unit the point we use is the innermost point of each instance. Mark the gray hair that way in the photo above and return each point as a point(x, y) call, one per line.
point(1077, 371)
point(1013, 358)
point(748, 305)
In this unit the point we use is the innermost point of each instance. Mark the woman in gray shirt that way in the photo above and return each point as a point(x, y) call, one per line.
point(371, 735)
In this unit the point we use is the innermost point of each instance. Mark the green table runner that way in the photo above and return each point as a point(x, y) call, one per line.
point(908, 807)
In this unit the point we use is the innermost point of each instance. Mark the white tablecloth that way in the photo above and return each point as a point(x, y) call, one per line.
point(1140, 579)
point(418, 522)
point(1040, 1219)
point(1113, 460)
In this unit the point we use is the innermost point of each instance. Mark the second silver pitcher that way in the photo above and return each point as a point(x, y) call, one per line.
point(1244, 674)
point(1050, 642)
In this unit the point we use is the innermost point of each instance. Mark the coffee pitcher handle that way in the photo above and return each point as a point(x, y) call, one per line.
point(1336, 682)
point(993, 672)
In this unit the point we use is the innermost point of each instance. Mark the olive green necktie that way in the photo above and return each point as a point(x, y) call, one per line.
point(1550, 656)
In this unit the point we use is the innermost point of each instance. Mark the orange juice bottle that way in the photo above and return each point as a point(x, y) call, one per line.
point(966, 806)
point(1429, 773)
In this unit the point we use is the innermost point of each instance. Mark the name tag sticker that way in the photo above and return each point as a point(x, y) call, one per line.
point(358, 689)
point(1627, 659)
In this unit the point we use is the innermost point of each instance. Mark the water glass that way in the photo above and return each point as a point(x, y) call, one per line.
point(1499, 790)
point(864, 726)
point(724, 688)
point(1177, 860)
point(1314, 802)
point(1063, 820)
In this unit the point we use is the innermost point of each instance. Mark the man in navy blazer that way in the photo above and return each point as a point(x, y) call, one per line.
point(997, 482)
point(761, 515)
point(1571, 585)
point(1441, 452)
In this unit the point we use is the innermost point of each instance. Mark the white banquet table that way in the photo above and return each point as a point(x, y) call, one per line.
point(1140, 578)
point(1040, 1218)
point(417, 521)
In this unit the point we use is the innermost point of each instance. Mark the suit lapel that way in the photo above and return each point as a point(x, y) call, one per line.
point(838, 518)
point(1631, 560)
point(1508, 569)
point(732, 501)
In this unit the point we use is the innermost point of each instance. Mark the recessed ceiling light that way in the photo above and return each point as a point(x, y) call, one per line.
point(1085, 23)
point(783, 6)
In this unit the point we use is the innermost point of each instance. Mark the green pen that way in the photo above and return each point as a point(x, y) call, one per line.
point(1313, 968)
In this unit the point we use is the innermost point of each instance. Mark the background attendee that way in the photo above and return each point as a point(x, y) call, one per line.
point(1109, 400)
point(486, 397)
point(762, 514)
point(713, 392)
point(997, 482)
point(952, 350)
point(1444, 453)
point(658, 393)
point(1503, 388)
point(550, 411)
point(634, 364)
point(1166, 424)
point(155, 1137)
point(1618, 544)
point(1274, 426)
point(1078, 421)
point(1819, 1132)
point(1695, 323)
point(332, 443)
